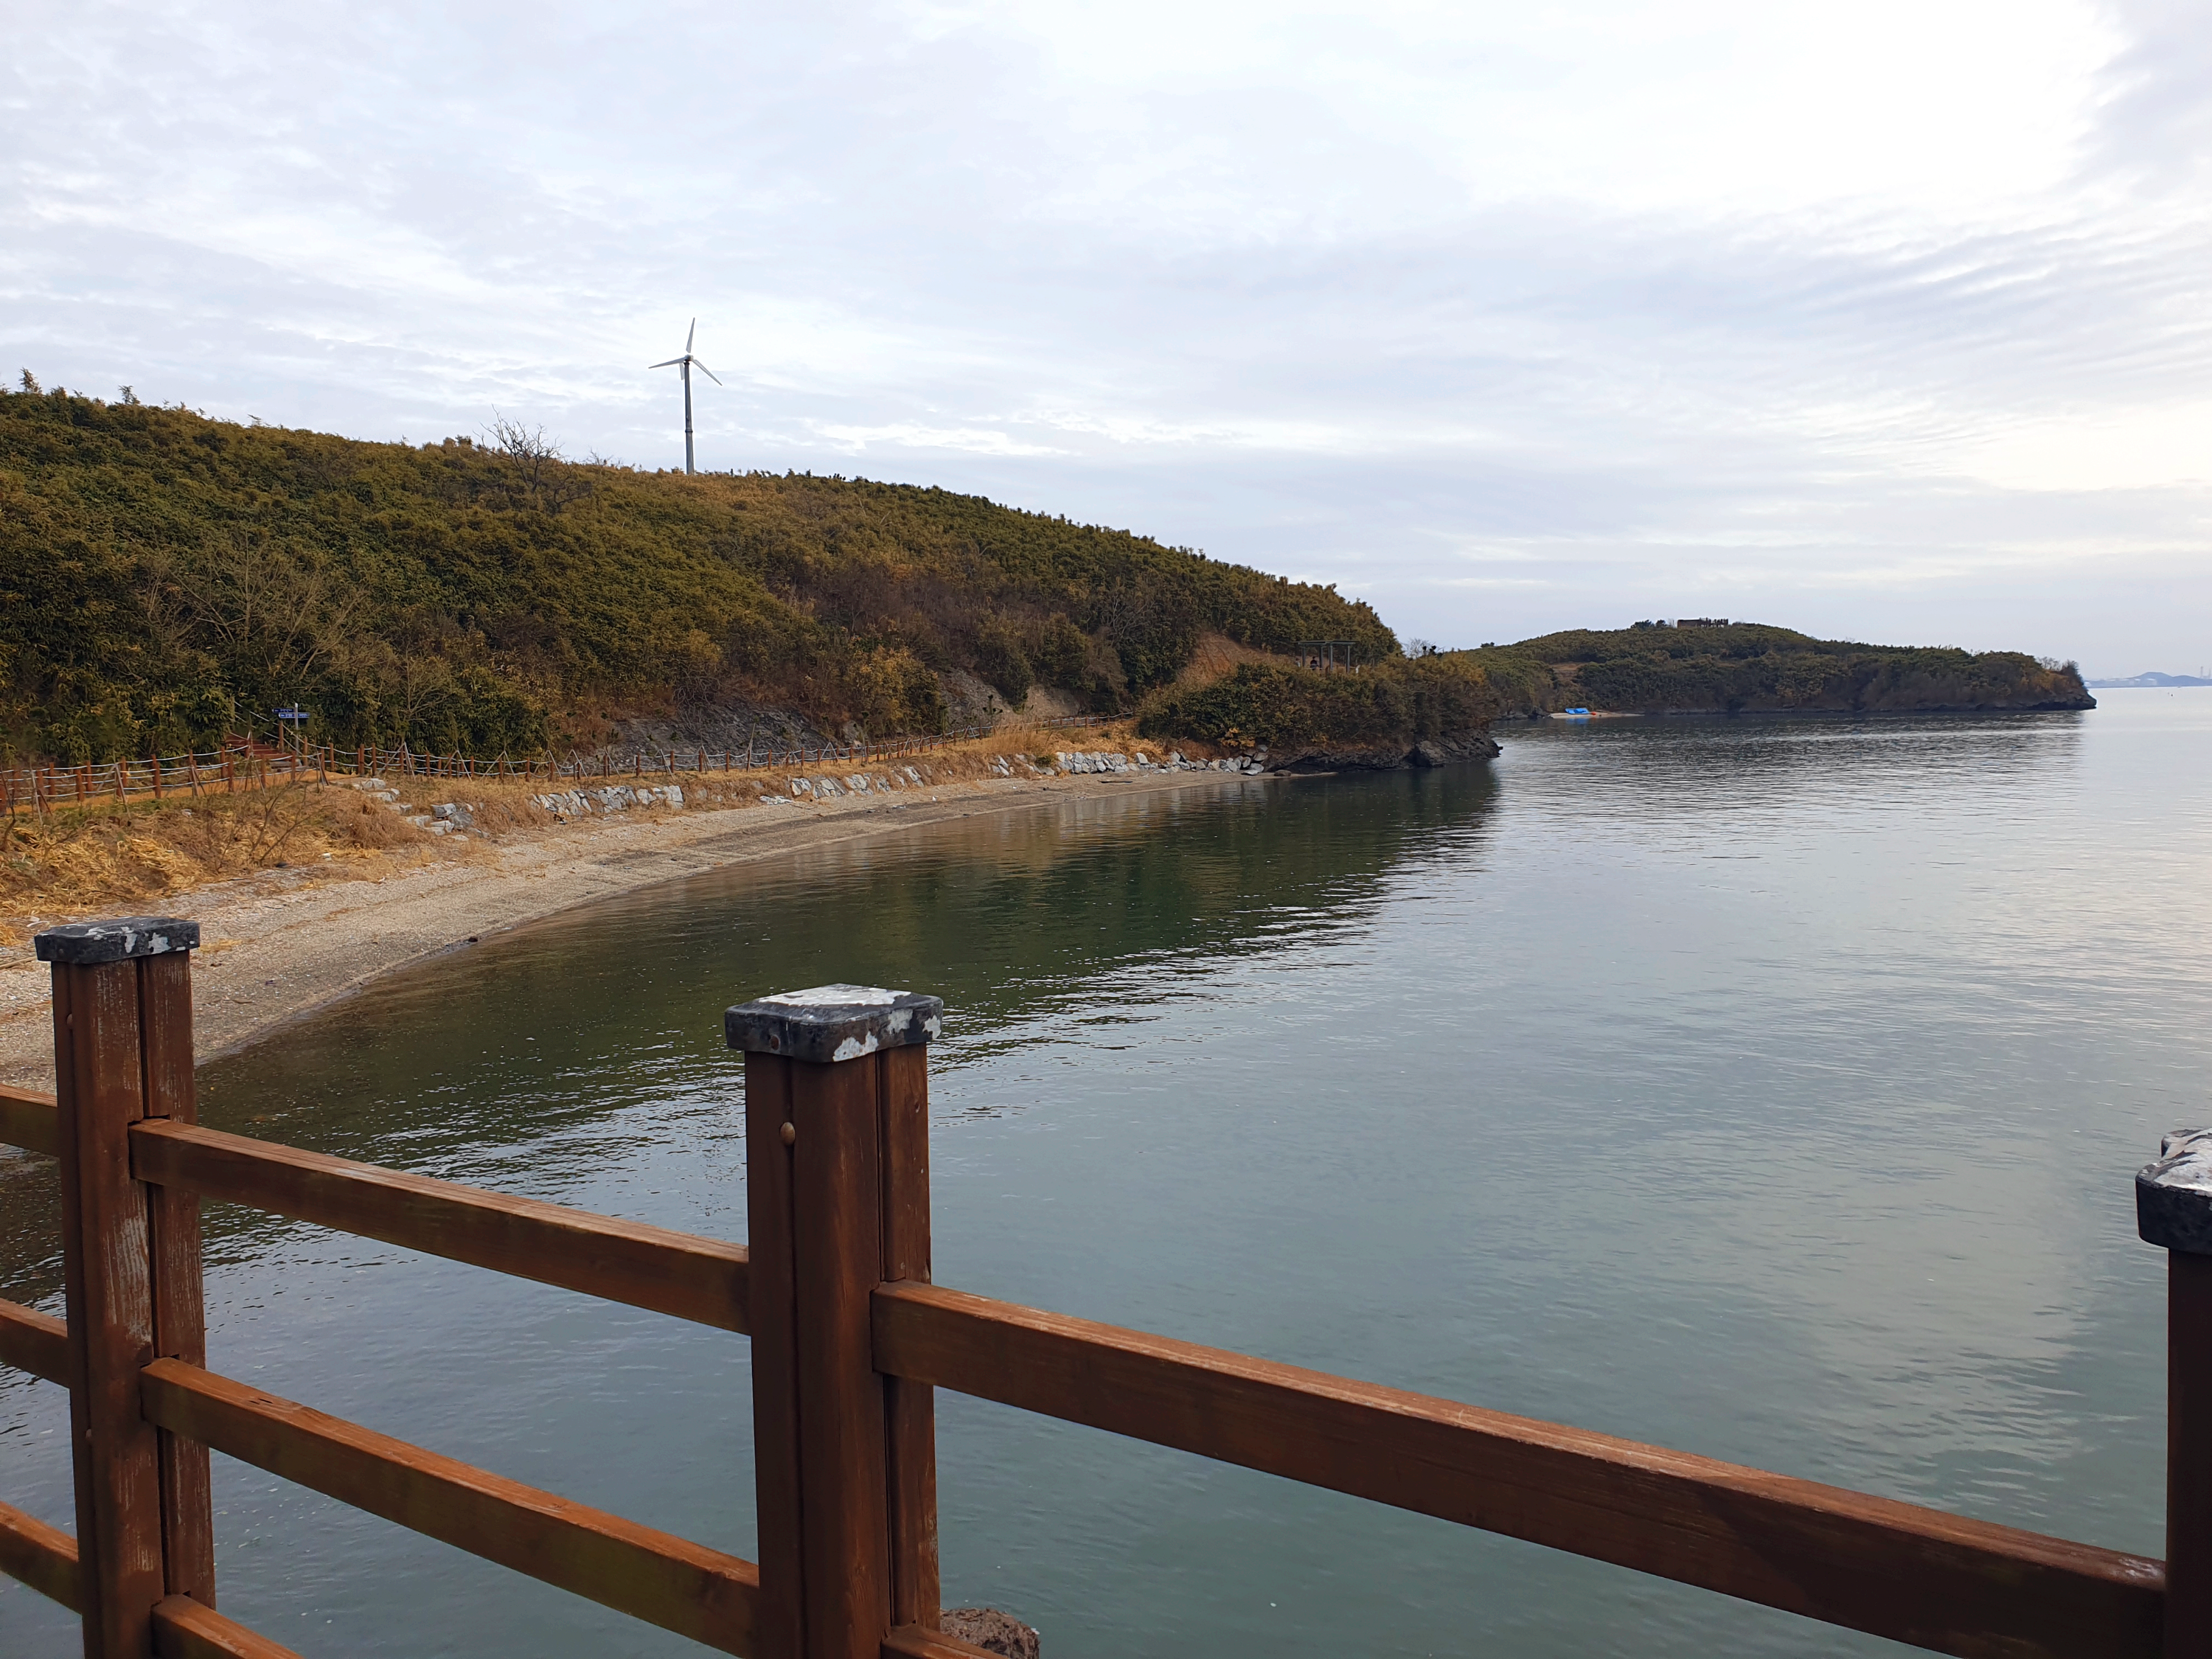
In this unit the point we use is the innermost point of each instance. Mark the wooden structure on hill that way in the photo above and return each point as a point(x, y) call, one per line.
point(850, 1340)
point(1327, 656)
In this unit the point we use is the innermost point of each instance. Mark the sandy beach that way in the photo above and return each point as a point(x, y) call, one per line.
point(281, 943)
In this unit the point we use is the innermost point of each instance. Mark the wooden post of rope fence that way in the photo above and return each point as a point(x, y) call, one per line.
point(131, 1256)
point(837, 1179)
point(2173, 1209)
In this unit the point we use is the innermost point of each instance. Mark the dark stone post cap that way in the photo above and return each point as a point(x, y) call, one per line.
point(88, 944)
point(833, 1022)
point(2173, 1196)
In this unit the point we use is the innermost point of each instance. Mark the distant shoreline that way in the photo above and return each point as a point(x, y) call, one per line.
point(1783, 714)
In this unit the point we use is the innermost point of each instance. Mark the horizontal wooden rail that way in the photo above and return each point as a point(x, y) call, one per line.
point(34, 1342)
point(702, 1279)
point(45, 1557)
point(664, 1580)
point(30, 1120)
point(183, 1629)
point(1916, 1574)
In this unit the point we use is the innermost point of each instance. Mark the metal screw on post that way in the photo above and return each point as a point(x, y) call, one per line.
point(837, 1174)
point(131, 1256)
point(2173, 1209)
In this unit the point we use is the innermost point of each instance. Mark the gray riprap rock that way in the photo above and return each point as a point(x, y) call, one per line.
point(833, 1022)
point(1430, 752)
point(2173, 1196)
point(88, 944)
point(992, 1631)
point(1444, 751)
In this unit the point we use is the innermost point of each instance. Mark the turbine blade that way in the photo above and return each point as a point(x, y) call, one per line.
point(707, 372)
point(671, 363)
point(692, 335)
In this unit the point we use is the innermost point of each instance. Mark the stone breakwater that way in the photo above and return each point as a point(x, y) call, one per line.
point(855, 783)
point(613, 798)
point(582, 803)
point(1140, 761)
point(452, 818)
point(447, 818)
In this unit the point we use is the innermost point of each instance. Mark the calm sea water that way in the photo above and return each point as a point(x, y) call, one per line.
point(1767, 1090)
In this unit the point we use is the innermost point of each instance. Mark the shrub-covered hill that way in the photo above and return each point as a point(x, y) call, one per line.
point(1400, 711)
point(1731, 667)
point(165, 578)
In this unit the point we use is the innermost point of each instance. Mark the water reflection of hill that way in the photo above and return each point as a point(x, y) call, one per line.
point(507, 1063)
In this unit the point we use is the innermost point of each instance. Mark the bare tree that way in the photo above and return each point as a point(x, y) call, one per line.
point(541, 470)
point(254, 603)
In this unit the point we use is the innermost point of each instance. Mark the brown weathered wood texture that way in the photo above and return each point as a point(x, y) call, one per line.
point(667, 1581)
point(45, 1557)
point(909, 1408)
point(34, 1342)
point(172, 1217)
point(108, 1271)
point(30, 1120)
point(774, 1324)
point(702, 1279)
point(847, 1459)
point(183, 1629)
point(837, 1253)
point(1916, 1574)
point(2188, 1456)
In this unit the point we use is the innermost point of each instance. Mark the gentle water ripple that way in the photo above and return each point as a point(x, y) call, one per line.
point(1765, 1089)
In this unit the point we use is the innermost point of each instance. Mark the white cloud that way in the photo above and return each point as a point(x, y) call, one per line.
point(1889, 319)
point(907, 434)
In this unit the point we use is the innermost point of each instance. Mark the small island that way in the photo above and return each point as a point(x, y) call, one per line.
point(1438, 706)
point(1710, 665)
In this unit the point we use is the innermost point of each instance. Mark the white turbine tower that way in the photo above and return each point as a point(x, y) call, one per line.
point(685, 363)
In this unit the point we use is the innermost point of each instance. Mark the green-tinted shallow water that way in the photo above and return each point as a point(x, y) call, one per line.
point(1770, 1090)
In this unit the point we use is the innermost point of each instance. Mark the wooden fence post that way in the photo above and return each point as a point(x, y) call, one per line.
point(837, 1176)
point(2173, 1209)
point(130, 1252)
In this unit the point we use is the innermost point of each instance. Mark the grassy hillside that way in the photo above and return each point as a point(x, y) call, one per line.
point(1745, 666)
point(1385, 710)
point(165, 578)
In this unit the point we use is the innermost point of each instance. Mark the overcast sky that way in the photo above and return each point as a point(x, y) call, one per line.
point(1887, 319)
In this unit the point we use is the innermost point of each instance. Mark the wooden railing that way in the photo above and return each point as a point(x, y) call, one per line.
point(850, 1340)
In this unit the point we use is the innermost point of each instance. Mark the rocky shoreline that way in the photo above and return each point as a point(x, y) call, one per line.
point(1430, 752)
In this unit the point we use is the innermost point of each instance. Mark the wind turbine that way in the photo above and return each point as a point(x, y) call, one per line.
point(684, 363)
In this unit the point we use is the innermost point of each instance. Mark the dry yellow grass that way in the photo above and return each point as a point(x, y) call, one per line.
point(106, 858)
point(116, 858)
point(1217, 654)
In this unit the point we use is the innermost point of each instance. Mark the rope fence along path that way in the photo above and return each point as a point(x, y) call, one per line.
point(247, 765)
